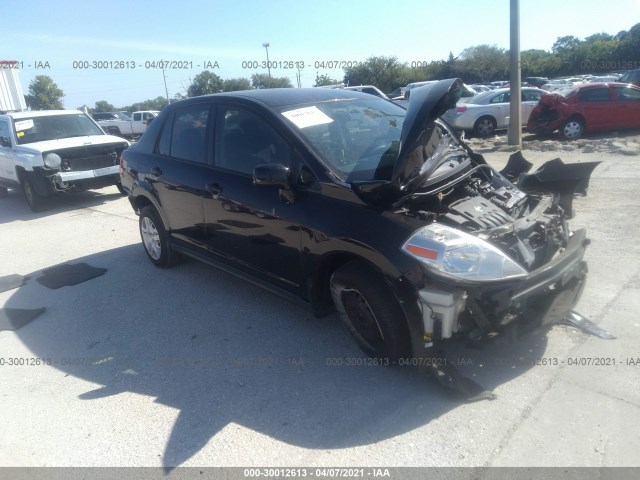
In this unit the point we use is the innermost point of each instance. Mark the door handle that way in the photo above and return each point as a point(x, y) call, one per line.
point(157, 171)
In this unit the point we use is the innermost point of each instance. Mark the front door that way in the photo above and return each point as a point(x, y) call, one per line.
point(247, 224)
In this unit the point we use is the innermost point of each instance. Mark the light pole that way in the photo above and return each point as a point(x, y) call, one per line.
point(266, 47)
point(514, 136)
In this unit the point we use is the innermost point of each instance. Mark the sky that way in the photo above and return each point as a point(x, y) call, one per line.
point(59, 38)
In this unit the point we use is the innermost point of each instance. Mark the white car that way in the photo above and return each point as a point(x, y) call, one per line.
point(49, 151)
point(488, 111)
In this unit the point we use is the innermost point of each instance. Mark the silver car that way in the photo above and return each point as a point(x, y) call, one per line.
point(489, 111)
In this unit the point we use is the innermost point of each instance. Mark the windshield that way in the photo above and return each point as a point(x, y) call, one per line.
point(358, 139)
point(54, 127)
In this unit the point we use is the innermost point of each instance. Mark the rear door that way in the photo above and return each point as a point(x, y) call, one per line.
point(499, 108)
point(7, 161)
point(182, 159)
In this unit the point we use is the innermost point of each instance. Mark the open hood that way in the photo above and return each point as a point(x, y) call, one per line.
point(420, 142)
point(423, 147)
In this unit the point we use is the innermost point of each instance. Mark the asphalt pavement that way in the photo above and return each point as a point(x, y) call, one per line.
point(193, 367)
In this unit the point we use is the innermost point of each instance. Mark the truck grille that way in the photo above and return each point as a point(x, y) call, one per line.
point(90, 157)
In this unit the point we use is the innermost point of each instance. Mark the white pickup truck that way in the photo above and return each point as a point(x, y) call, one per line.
point(118, 123)
point(50, 151)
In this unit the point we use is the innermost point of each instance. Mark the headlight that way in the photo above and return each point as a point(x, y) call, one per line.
point(52, 160)
point(460, 255)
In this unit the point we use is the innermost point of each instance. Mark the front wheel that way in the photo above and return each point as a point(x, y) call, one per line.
point(572, 129)
point(34, 200)
point(370, 311)
point(155, 238)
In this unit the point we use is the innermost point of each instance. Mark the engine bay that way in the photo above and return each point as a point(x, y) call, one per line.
point(531, 229)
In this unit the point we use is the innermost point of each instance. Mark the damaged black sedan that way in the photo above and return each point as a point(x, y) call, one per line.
point(349, 202)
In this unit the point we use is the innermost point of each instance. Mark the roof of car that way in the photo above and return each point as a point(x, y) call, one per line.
point(277, 97)
point(41, 113)
point(583, 86)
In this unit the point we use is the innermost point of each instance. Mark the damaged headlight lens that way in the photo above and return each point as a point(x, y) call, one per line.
point(460, 255)
point(52, 160)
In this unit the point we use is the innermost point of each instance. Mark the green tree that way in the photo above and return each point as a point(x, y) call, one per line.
point(236, 84)
point(44, 94)
point(386, 73)
point(568, 51)
point(323, 80)
point(628, 46)
point(157, 103)
point(262, 80)
point(205, 83)
point(104, 106)
point(483, 63)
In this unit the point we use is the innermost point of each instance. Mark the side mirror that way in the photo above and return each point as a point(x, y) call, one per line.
point(273, 174)
point(5, 142)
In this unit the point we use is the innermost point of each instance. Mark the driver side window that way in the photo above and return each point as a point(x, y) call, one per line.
point(244, 140)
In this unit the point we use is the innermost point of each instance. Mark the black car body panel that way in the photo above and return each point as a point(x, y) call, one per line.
point(299, 218)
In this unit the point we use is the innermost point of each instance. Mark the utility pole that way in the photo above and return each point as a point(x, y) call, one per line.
point(166, 90)
point(298, 78)
point(266, 47)
point(515, 120)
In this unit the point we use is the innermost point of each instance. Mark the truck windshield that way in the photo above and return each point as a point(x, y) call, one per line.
point(54, 127)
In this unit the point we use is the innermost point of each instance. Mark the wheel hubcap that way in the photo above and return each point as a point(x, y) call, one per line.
point(363, 318)
point(572, 129)
point(150, 238)
point(485, 127)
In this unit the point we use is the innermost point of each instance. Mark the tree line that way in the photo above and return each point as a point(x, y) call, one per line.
point(596, 54)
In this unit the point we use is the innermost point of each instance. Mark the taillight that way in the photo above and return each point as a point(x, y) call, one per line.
point(461, 109)
point(121, 162)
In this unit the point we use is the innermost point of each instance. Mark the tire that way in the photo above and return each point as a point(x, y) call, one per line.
point(572, 129)
point(34, 200)
point(4, 192)
point(485, 126)
point(155, 238)
point(370, 311)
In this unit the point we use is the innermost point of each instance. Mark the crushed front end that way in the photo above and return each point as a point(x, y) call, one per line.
point(496, 252)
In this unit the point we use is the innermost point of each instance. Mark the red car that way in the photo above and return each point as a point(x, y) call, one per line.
point(588, 107)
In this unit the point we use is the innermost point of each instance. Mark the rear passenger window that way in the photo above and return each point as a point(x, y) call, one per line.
point(184, 134)
point(502, 98)
point(164, 144)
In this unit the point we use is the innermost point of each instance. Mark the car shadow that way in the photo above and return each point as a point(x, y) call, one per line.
point(14, 207)
point(220, 350)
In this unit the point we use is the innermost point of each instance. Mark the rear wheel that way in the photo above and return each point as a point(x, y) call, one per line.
point(572, 129)
point(34, 200)
point(370, 311)
point(155, 238)
point(484, 126)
